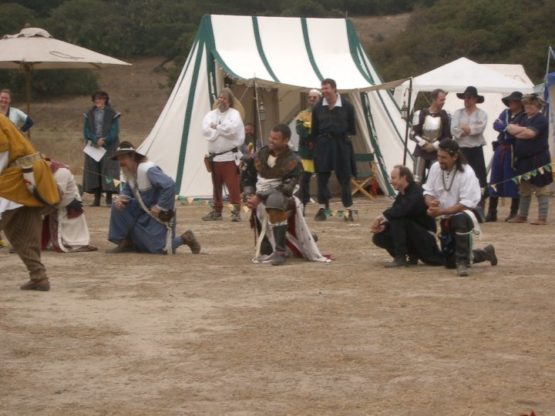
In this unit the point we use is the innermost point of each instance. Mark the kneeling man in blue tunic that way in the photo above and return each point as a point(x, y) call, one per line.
point(143, 216)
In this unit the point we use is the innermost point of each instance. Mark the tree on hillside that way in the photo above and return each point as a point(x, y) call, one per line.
point(500, 31)
point(13, 17)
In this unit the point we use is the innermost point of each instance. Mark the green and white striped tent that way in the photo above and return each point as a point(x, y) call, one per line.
point(270, 62)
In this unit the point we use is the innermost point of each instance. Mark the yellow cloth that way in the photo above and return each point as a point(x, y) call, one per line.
point(308, 165)
point(12, 185)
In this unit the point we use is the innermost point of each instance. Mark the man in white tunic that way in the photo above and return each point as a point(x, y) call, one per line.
point(65, 228)
point(223, 129)
point(452, 192)
point(467, 127)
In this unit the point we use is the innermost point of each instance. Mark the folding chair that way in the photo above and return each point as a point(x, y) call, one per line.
point(365, 177)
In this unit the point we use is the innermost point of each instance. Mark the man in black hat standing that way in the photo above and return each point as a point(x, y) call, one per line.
point(143, 215)
point(467, 127)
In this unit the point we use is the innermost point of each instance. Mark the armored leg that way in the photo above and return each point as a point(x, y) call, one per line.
point(419, 169)
point(280, 231)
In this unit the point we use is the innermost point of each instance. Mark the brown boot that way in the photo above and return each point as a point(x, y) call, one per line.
point(539, 221)
point(519, 219)
point(42, 285)
point(236, 213)
point(190, 240)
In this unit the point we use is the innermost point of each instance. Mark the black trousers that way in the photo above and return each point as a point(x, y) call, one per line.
point(324, 194)
point(404, 236)
point(304, 188)
point(475, 158)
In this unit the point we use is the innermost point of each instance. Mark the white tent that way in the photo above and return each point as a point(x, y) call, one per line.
point(493, 81)
point(270, 62)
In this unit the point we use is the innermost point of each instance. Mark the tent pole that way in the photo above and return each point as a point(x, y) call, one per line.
point(549, 52)
point(407, 123)
point(257, 112)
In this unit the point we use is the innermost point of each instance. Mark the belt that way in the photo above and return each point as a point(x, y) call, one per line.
point(234, 150)
point(25, 161)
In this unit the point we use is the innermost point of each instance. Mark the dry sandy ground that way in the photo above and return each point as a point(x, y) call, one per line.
point(214, 334)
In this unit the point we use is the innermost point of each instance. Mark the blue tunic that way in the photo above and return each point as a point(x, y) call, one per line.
point(502, 165)
point(139, 228)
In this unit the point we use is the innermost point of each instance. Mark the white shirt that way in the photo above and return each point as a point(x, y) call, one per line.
point(66, 183)
point(462, 188)
point(6, 204)
point(338, 102)
point(228, 134)
point(477, 121)
point(17, 117)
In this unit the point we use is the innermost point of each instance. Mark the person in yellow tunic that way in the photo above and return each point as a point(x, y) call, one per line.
point(306, 144)
point(26, 187)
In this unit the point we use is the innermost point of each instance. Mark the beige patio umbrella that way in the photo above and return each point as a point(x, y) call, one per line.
point(35, 49)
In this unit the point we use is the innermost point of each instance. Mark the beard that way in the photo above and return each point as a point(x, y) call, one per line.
point(127, 173)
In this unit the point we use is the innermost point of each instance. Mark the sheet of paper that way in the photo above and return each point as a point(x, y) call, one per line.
point(96, 153)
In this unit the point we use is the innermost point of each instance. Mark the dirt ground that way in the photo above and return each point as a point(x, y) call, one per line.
point(214, 334)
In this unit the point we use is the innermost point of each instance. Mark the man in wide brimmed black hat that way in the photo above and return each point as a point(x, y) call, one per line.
point(467, 126)
point(143, 215)
point(502, 164)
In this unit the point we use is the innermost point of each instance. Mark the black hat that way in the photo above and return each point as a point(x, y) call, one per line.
point(471, 92)
point(515, 96)
point(125, 148)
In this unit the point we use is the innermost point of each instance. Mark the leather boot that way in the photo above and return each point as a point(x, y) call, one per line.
point(514, 209)
point(190, 240)
point(279, 255)
point(485, 254)
point(97, 195)
point(236, 213)
point(42, 285)
point(492, 211)
point(108, 199)
point(398, 261)
point(462, 252)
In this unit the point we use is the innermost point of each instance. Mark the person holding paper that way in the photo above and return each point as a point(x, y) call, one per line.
point(100, 130)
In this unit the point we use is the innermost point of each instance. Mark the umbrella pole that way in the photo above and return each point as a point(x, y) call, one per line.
point(407, 124)
point(27, 70)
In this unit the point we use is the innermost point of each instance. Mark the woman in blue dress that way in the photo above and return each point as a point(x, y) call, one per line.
point(502, 167)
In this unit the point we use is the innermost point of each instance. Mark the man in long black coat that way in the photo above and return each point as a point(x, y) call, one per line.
point(333, 122)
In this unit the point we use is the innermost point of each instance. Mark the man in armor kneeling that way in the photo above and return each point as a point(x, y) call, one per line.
point(268, 182)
